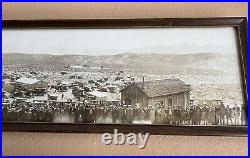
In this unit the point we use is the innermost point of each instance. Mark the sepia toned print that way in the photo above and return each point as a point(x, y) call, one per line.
point(123, 76)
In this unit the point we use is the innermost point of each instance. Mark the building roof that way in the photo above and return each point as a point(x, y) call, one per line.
point(105, 96)
point(163, 87)
point(27, 80)
point(98, 93)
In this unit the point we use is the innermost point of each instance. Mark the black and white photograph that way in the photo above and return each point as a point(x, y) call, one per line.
point(152, 76)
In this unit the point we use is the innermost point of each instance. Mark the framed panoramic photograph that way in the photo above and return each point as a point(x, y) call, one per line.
point(157, 76)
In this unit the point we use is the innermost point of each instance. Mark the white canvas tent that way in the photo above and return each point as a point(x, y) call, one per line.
point(104, 96)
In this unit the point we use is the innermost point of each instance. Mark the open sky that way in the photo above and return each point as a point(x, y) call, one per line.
point(118, 41)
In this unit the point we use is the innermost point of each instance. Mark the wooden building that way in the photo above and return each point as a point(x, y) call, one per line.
point(170, 93)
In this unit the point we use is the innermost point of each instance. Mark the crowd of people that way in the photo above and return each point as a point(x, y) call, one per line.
point(76, 112)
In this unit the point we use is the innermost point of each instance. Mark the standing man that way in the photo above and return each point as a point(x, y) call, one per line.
point(198, 115)
point(237, 115)
point(152, 114)
point(160, 116)
point(222, 114)
point(229, 115)
point(141, 114)
point(129, 114)
point(115, 112)
point(243, 115)
point(135, 114)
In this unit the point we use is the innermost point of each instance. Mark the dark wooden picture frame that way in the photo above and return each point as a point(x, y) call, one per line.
point(239, 23)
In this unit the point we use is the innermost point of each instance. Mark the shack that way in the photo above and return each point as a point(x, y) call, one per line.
point(169, 93)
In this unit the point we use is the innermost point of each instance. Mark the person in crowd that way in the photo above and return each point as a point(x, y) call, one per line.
point(212, 116)
point(198, 115)
point(120, 114)
point(77, 114)
point(129, 114)
point(205, 114)
point(124, 115)
point(178, 116)
point(243, 115)
point(4, 113)
point(160, 115)
point(34, 115)
point(168, 117)
point(41, 115)
point(108, 114)
point(141, 115)
point(152, 114)
point(182, 115)
point(136, 114)
point(229, 115)
point(175, 116)
point(146, 115)
point(222, 114)
point(188, 117)
point(192, 115)
point(13, 114)
point(217, 115)
point(99, 114)
point(236, 115)
point(92, 114)
point(24, 115)
point(115, 113)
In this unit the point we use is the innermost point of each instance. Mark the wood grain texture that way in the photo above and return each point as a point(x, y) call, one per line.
point(26, 143)
point(90, 144)
point(121, 10)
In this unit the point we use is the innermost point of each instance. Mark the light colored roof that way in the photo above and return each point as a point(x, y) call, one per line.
point(76, 66)
point(105, 96)
point(98, 93)
point(65, 82)
point(27, 80)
